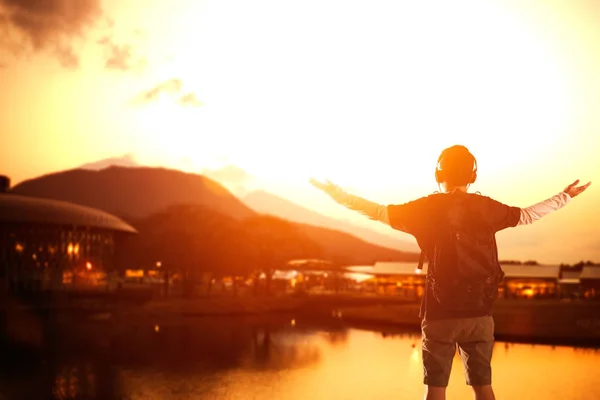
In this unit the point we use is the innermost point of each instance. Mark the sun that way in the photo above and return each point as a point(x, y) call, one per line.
point(367, 94)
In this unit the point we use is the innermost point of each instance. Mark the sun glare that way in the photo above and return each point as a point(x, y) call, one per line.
point(368, 88)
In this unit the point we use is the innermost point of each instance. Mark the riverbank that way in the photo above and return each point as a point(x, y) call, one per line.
point(538, 321)
point(252, 305)
point(531, 321)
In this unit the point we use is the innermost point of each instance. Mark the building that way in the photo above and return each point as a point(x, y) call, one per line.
point(530, 281)
point(49, 245)
point(520, 281)
point(590, 281)
point(569, 283)
point(312, 275)
point(394, 278)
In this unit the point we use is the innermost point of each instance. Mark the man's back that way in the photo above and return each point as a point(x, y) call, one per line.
point(423, 217)
point(457, 233)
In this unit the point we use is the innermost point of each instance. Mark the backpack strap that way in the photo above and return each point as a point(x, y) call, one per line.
point(421, 260)
point(422, 255)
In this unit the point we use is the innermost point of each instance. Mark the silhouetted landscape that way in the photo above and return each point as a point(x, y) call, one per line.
point(317, 200)
point(268, 203)
point(198, 223)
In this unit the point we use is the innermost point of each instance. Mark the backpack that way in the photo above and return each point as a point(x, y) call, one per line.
point(464, 273)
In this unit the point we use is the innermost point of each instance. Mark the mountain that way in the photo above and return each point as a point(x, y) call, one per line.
point(141, 193)
point(134, 191)
point(268, 203)
point(346, 249)
point(195, 238)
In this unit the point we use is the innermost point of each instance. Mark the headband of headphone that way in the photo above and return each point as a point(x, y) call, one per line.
point(440, 174)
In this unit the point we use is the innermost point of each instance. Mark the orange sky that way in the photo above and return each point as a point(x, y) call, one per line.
point(365, 93)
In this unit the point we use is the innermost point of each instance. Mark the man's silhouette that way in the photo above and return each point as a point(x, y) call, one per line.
point(445, 326)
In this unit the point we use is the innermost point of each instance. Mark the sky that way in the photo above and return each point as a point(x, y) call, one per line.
point(364, 93)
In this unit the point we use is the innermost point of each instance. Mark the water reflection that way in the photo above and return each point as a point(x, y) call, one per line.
point(27, 374)
point(231, 359)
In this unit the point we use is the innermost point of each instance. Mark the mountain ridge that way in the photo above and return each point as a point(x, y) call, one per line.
point(265, 202)
point(140, 192)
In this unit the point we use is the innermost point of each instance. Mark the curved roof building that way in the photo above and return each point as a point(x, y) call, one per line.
point(50, 245)
point(22, 209)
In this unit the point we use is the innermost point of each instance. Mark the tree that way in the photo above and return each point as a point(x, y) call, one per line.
point(275, 242)
point(194, 241)
point(202, 244)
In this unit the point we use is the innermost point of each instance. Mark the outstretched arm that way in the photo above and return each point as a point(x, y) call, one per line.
point(368, 208)
point(533, 213)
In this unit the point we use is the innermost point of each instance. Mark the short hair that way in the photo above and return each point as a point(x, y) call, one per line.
point(457, 166)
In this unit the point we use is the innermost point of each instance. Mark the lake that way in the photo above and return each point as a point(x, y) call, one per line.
point(284, 359)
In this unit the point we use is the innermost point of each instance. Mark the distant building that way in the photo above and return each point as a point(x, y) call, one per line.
point(398, 278)
point(530, 281)
point(311, 275)
point(590, 281)
point(49, 245)
point(520, 281)
point(570, 283)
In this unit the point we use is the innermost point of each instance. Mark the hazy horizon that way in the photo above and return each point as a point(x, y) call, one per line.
point(363, 93)
point(234, 177)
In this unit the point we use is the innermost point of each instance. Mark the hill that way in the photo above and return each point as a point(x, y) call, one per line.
point(346, 249)
point(135, 192)
point(268, 203)
point(195, 239)
point(142, 195)
point(200, 239)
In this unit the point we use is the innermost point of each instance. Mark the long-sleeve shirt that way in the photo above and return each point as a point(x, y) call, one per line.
point(379, 212)
point(422, 217)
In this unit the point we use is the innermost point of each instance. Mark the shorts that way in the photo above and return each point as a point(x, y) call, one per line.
point(474, 338)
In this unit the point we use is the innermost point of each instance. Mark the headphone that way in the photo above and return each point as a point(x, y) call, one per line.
point(440, 174)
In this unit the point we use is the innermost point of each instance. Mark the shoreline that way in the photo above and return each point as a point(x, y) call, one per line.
point(524, 321)
point(550, 321)
point(535, 322)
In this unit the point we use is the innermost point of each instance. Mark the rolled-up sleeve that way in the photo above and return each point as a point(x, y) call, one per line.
point(502, 216)
point(411, 217)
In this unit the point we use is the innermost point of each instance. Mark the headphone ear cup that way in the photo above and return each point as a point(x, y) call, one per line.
point(474, 177)
point(439, 176)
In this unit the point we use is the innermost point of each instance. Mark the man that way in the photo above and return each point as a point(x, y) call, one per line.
point(456, 310)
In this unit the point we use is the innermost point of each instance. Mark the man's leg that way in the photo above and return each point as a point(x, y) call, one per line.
point(484, 392)
point(475, 345)
point(435, 393)
point(438, 349)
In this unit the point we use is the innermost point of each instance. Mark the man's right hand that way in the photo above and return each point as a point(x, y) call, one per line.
point(574, 190)
point(327, 186)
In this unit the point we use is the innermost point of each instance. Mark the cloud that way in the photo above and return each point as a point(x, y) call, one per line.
point(229, 174)
point(232, 177)
point(47, 26)
point(189, 99)
point(172, 87)
point(126, 160)
point(120, 56)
